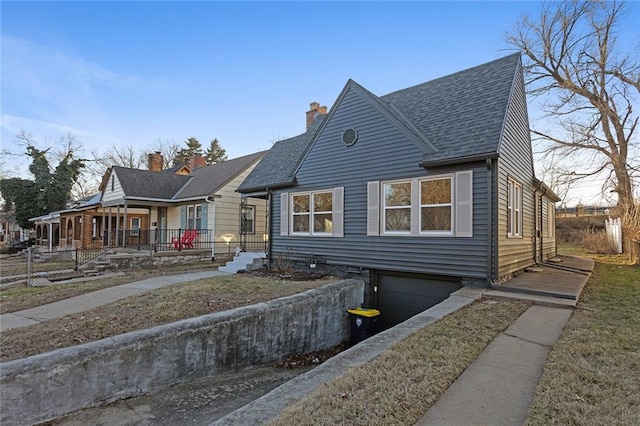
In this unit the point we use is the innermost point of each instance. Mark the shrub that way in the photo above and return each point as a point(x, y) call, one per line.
point(598, 242)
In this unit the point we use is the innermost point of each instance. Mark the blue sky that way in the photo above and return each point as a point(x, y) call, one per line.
point(130, 73)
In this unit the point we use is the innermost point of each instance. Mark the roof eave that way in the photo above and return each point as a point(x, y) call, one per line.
point(427, 164)
point(542, 187)
point(267, 187)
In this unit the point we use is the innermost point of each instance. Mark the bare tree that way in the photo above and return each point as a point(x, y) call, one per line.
point(168, 149)
point(587, 85)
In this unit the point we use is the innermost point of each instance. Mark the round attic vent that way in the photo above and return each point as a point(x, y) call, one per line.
point(350, 136)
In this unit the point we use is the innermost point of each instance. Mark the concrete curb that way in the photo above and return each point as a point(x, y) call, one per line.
point(270, 405)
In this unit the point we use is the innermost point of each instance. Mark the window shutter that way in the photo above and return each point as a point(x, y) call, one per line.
point(373, 208)
point(464, 204)
point(183, 217)
point(338, 212)
point(284, 214)
point(204, 224)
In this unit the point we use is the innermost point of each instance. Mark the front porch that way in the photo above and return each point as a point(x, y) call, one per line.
point(159, 240)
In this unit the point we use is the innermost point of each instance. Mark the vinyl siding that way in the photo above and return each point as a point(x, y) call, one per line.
point(381, 153)
point(116, 195)
point(516, 162)
point(548, 239)
point(228, 209)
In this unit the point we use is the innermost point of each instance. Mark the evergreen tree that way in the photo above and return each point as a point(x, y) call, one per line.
point(193, 147)
point(215, 153)
point(47, 192)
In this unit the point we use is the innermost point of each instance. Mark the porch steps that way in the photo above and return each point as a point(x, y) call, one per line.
point(243, 262)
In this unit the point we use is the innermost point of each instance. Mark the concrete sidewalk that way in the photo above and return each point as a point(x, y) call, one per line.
point(84, 302)
point(498, 387)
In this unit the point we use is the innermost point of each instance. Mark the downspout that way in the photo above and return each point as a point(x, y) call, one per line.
point(269, 226)
point(490, 202)
point(539, 214)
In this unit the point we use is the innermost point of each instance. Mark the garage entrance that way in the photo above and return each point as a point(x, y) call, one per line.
point(399, 296)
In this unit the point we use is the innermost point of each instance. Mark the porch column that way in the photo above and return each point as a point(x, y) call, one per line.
point(50, 237)
point(109, 229)
point(118, 225)
point(125, 225)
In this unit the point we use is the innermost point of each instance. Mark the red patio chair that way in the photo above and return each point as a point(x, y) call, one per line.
point(186, 241)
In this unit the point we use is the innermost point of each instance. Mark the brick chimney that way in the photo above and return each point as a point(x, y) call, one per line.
point(155, 161)
point(195, 162)
point(315, 110)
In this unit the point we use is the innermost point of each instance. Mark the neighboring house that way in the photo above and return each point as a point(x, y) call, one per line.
point(205, 200)
point(154, 208)
point(10, 231)
point(419, 191)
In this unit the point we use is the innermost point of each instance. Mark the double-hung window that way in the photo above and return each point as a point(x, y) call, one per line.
point(312, 213)
point(436, 207)
point(135, 226)
point(397, 207)
point(194, 217)
point(551, 227)
point(315, 213)
point(514, 209)
point(247, 221)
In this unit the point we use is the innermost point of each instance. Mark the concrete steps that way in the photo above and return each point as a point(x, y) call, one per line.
point(243, 261)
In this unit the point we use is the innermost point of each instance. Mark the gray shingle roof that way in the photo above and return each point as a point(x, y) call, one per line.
point(207, 180)
point(148, 184)
point(276, 168)
point(460, 115)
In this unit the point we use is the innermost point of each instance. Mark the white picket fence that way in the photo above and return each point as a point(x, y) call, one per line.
point(614, 233)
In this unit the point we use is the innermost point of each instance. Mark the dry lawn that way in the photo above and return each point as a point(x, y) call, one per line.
point(592, 376)
point(147, 310)
point(17, 298)
point(400, 385)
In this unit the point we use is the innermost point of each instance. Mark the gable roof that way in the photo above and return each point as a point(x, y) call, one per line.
point(463, 113)
point(276, 168)
point(457, 116)
point(147, 184)
point(209, 179)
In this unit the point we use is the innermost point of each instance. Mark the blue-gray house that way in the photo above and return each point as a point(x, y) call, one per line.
point(419, 191)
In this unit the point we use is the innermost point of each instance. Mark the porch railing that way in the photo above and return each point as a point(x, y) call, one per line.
point(184, 239)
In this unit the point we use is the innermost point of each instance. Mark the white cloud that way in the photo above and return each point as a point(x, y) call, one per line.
point(58, 91)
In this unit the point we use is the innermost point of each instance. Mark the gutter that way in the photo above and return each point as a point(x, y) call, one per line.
point(163, 200)
point(262, 189)
point(458, 160)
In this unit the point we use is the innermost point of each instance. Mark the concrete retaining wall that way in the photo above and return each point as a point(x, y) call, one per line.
point(146, 259)
point(47, 386)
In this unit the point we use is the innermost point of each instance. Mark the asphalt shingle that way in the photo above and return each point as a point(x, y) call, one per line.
point(207, 180)
point(276, 168)
point(148, 184)
point(460, 114)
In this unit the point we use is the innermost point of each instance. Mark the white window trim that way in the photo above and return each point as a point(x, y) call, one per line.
point(286, 214)
point(451, 204)
point(514, 209)
point(311, 213)
point(383, 207)
point(252, 209)
point(135, 230)
point(551, 229)
point(195, 208)
point(462, 207)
